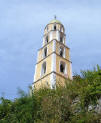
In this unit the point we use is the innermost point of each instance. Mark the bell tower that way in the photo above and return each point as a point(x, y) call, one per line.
point(53, 65)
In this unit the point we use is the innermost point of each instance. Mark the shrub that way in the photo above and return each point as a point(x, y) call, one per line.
point(74, 103)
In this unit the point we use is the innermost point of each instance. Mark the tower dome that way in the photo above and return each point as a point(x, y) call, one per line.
point(54, 25)
point(54, 30)
point(55, 21)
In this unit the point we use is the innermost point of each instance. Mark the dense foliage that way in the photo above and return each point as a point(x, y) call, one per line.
point(77, 102)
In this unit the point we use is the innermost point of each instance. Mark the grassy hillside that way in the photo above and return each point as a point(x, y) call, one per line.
point(77, 102)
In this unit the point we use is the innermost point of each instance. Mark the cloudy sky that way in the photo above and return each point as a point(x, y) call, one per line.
point(22, 25)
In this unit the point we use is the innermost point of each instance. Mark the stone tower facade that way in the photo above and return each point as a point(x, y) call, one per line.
point(53, 65)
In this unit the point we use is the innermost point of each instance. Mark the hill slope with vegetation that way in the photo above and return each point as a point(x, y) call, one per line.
point(77, 102)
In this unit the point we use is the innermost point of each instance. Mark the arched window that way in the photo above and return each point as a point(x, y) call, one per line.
point(62, 67)
point(43, 71)
point(45, 52)
point(61, 51)
point(61, 39)
point(55, 27)
point(46, 39)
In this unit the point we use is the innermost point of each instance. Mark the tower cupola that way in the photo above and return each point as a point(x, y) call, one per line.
point(54, 30)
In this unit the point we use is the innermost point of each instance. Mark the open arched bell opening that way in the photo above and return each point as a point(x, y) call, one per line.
point(61, 51)
point(43, 71)
point(62, 67)
point(45, 52)
point(54, 26)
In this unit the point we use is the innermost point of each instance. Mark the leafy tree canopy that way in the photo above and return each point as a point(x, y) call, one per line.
point(77, 102)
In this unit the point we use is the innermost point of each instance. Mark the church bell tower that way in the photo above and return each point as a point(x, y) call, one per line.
point(53, 65)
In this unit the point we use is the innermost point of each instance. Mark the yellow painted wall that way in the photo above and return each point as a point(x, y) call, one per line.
point(60, 80)
point(41, 51)
point(45, 82)
point(48, 67)
point(49, 60)
point(58, 59)
point(66, 50)
point(51, 27)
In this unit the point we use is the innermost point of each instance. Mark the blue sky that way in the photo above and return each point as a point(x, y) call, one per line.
point(22, 25)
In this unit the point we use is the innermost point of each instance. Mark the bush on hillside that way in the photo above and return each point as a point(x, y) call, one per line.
point(75, 103)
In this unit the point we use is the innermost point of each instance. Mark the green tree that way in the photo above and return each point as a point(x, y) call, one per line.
point(74, 103)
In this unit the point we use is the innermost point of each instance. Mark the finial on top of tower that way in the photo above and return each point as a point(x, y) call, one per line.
point(55, 20)
point(55, 17)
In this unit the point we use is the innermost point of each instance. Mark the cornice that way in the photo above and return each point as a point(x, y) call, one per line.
point(56, 41)
point(54, 30)
point(54, 23)
point(51, 54)
point(49, 74)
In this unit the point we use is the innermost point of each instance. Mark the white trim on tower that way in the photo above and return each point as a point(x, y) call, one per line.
point(50, 36)
point(53, 67)
point(58, 35)
point(53, 80)
point(54, 45)
point(64, 54)
point(35, 73)
point(71, 77)
point(43, 41)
